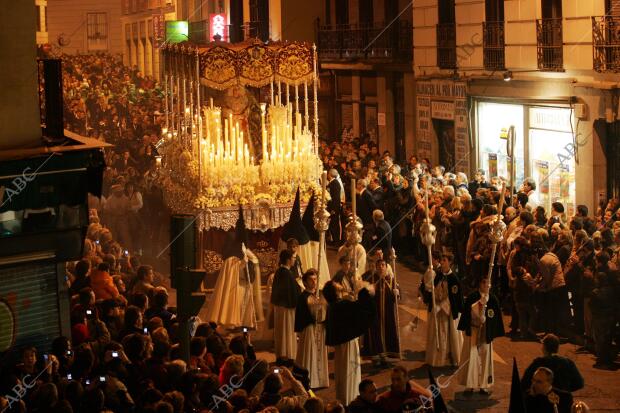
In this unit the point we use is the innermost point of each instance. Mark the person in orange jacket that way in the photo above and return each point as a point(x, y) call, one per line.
point(102, 284)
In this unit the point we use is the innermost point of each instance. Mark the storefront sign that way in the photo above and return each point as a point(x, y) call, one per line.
point(442, 110)
point(217, 25)
point(556, 119)
point(177, 31)
point(446, 100)
point(159, 29)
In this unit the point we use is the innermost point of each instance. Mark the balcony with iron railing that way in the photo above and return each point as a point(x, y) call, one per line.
point(493, 45)
point(446, 46)
point(365, 41)
point(606, 43)
point(550, 45)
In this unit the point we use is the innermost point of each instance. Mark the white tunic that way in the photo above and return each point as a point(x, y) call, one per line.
point(448, 351)
point(360, 258)
point(311, 351)
point(478, 354)
point(347, 370)
point(284, 332)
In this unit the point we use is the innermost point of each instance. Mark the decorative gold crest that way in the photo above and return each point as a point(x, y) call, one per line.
point(454, 289)
point(553, 397)
point(490, 313)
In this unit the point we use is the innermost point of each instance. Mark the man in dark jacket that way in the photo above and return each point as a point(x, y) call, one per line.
point(365, 203)
point(382, 235)
point(566, 376)
point(544, 398)
point(365, 402)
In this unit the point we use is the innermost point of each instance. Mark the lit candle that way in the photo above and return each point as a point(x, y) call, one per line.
point(353, 198)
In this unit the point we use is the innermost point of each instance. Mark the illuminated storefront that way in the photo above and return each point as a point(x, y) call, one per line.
point(542, 134)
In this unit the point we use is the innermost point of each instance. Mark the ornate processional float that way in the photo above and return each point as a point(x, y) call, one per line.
point(212, 159)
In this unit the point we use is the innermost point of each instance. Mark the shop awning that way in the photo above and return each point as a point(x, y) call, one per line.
point(49, 177)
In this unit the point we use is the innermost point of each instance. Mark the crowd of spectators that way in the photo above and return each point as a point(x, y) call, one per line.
point(554, 273)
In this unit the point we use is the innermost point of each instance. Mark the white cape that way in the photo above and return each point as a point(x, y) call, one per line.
point(323, 268)
point(236, 303)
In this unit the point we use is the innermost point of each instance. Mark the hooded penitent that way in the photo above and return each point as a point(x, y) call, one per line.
point(295, 229)
point(237, 299)
point(308, 223)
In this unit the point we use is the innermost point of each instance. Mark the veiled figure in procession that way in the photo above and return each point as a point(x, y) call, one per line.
point(237, 298)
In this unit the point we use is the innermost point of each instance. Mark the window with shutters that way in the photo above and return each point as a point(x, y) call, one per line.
point(493, 35)
point(549, 36)
point(97, 31)
point(446, 35)
point(38, 13)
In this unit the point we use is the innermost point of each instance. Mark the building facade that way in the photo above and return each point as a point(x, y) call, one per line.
point(545, 69)
point(85, 26)
point(365, 54)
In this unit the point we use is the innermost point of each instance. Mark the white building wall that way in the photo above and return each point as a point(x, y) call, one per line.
point(67, 20)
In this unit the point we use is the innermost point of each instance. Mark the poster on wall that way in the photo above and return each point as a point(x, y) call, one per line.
point(492, 165)
point(347, 115)
point(542, 167)
point(442, 100)
point(370, 116)
point(564, 182)
point(423, 127)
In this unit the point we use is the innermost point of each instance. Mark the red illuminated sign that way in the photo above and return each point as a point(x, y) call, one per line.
point(217, 26)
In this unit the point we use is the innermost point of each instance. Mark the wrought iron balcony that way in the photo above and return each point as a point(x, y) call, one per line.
point(494, 46)
point(366, 41)
point(606, 43)
point(550, 42)
point(446, 46)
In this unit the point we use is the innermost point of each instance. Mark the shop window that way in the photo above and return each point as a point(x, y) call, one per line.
point(550, 132)
point(494, 121)
point(97, 31)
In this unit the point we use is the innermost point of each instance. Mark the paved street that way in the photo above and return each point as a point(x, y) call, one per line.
point(601, 392)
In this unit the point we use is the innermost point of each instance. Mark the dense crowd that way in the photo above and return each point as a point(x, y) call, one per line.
point(554, 274)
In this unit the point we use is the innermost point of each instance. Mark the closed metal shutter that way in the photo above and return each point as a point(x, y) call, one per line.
point(29, 299)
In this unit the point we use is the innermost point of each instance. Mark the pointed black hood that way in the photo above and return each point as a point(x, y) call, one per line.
point(238, 237)
point(294, 228)
point(438, 402)
point(308, 220)
point(517, 404)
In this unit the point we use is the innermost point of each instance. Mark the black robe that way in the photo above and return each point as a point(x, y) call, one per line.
point(347, 320)
point(303, 315)
point(285, 291)
point(494, 323)
point(455, 294)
